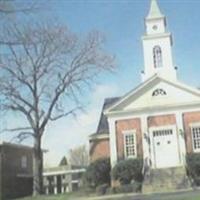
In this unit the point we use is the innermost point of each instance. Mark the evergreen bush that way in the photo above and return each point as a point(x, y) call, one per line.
point(98, 173)
point(128, 188)
point(127, 171)
point(193, 167)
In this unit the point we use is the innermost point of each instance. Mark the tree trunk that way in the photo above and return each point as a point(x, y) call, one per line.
point(37, 168)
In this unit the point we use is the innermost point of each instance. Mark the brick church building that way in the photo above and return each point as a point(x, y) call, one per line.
point(159, 120)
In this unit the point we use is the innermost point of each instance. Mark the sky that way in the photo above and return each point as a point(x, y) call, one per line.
point(122, 22)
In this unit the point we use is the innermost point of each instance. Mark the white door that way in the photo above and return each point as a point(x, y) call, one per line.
point(165, 148)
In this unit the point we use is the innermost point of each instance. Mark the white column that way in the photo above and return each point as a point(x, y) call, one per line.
point(47, 189)
point(181, 137)
point(62, 189)
point(67, 189)
point(55, 185)
point(113, 145)
point(145, 138)
point(146, 144)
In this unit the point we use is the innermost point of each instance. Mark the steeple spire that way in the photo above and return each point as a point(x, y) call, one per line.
point(157, 45)
point(154, 11)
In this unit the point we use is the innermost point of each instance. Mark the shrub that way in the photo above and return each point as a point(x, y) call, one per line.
point(134, 187)
point(98, 173)
point(101, 190)
point(193, 167)
point(128, 170)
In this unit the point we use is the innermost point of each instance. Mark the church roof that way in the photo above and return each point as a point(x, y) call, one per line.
point(154, 11)
point(103, 122)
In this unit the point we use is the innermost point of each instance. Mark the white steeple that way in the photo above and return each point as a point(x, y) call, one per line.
point(157, 45)
point(154, 11)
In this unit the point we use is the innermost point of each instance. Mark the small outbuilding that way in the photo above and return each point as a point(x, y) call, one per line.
point(62, 179)
point(16, 171)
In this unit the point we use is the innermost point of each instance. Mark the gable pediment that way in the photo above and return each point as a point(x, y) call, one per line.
point(157, 92)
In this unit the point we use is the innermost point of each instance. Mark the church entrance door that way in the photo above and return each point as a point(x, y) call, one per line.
point(165, 148)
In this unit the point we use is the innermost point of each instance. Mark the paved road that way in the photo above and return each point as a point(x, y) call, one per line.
point(182, 195)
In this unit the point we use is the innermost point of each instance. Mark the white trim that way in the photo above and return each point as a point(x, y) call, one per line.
point(156, 128)
point(194, 125)
point(63, 172)
point(75, 181)
point(127, 133)
point(150, 37)
point(151, 79)
point(127, 95)
point(99, 136)
point(148, 110)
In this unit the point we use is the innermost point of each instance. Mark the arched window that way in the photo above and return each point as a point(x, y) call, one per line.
point(157, 57)
point(158, 92)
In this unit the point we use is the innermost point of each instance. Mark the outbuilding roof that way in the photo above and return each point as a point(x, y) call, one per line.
point(103, 122)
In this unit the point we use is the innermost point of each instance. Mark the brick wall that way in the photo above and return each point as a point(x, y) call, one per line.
point(99, 149)
point(161, 120)
point(124, 125)
point(191, 117)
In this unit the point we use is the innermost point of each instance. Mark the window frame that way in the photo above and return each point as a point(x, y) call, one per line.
point(128, 133)
point(159, 92)
point(194, 125)
point(24, 162)
point(157, 57)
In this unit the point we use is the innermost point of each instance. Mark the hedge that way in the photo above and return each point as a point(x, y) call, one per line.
point(98, 173)
point(127, 171)
point(193, 167)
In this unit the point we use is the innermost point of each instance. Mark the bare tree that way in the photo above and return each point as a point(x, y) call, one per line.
point(11, 6)
point(43, 77)
point(79, 156)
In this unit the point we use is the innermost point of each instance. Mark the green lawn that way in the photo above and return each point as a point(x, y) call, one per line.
point(56, 197)
point(68, 196)
point(191, 195)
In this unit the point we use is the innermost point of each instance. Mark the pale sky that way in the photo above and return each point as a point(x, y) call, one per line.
point(122, 21)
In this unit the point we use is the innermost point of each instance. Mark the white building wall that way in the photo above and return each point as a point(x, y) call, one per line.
point(167, 70)
point(155, 26)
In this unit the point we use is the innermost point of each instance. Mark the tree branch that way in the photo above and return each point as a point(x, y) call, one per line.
point(15, 129)
point(73, 111)
point(22, 136)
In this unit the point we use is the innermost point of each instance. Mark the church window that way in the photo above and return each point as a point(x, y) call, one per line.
point(157, 57)
point(24, 162)
point(196, 138)
point(159, 92)
point(130, 149)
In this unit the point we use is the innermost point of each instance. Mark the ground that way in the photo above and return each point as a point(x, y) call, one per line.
point(191, 195)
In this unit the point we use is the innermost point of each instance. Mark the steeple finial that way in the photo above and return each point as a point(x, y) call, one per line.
point(154, 11)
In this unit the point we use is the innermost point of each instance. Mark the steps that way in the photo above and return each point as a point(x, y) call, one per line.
point(166, 180)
